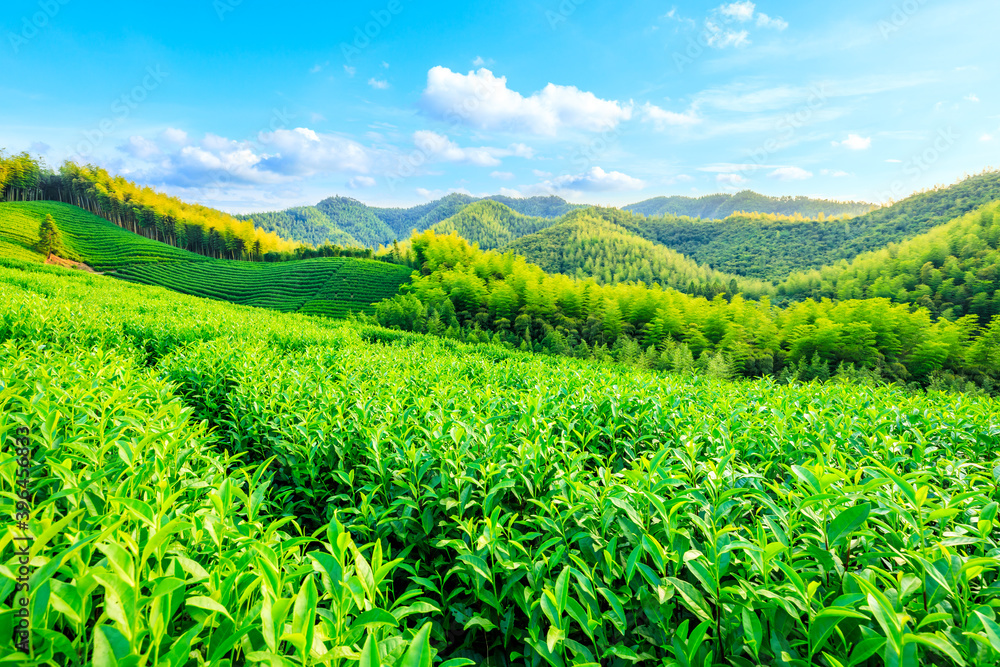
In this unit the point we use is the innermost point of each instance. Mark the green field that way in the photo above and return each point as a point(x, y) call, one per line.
point(213, 484)
point(332, 287)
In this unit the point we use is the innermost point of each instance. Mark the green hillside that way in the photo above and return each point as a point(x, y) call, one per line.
point(722, 205)
point(491, 224)
point(589, 244)
point(87, 238)
point(306, 224)
point(771, 249)
point(952, 270)
point(330, 286)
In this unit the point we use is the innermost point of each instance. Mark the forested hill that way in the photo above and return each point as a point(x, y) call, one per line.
point(770, 247)
point(490, 224)
point(594, 244)
point(952, 271)
point(719, 206)
point(346, 221)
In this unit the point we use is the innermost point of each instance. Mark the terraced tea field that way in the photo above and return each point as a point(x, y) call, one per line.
point(333, 287)
point(90, 239)
point(330, 286)
point(211, 484)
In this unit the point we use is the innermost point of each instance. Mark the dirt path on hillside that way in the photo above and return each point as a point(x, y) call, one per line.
point(69, 264)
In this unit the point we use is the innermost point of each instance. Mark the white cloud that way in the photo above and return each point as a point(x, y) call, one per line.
point(359, 182)
point(502, 175)
point(791, 174)
point(378, 84)
point(593, 180)
point(172, 135)
point(385, 64)
point(721, 38)
point(511, 192)
point(140, 147)
point(482, 62)
point(439, 148)
point(765, 21)
point(972, 98)
point(738, 11)
point(484, 101)
point(662, 118)
point(723, 27)
point(351, 71)
point(855, 142)
point(986, 137)
point(834, 174)
point(315, 69)
point(730, 179)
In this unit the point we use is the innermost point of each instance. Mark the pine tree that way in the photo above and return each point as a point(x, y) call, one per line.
point(49, 239)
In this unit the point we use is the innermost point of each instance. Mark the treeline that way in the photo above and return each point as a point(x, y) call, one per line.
point(587, 244)
point(952, 271)
point(21, 177)
point(771, 249)
point(720, 206)
point(306, 224)
point(141, 210)
point(463, 293)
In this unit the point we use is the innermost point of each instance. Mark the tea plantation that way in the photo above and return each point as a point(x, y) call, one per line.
point(212, 484)
point(332, 287)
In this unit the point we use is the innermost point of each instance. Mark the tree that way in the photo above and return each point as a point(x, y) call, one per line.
point(49, 239)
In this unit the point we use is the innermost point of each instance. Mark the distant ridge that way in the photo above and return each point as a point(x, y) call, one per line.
point(719, 206)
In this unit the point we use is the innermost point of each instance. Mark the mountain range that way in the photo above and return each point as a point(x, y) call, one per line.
point(348, 222)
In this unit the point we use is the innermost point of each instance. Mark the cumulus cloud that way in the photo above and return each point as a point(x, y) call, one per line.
point(439, 148)
point(738, 11)
point(593, 180)
point(482, 100)
point(791, 174)
point(972, 98)
point(986, 137)
point(663, 119)
point(378, 84)
point(855, 142)
point(277, 157)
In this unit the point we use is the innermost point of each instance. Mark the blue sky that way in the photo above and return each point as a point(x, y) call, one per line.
point(246, 107)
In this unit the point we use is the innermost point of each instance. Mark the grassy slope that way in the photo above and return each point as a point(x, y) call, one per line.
point(87, 238)
point(329, 286)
